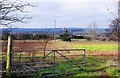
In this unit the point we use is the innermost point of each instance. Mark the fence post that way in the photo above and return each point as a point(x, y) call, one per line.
point(8, 57)
point(54, 60)
point(84, 57)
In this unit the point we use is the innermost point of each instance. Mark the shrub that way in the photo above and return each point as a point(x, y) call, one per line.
point(88, 38)
point(78, 37)
point(65, 36)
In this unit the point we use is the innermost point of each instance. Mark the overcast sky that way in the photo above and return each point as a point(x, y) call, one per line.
point(70, 13)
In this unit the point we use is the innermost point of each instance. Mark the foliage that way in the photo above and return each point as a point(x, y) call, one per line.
point(25, 36)
point(78, 37)
point(65, 36)
point(41, 36)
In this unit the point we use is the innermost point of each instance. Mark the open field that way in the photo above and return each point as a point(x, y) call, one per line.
point(98, 48)
point(92, 47)
point(101, 60)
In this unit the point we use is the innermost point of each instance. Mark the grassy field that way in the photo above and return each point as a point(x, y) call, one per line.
point(96, 46)
point(96, 66)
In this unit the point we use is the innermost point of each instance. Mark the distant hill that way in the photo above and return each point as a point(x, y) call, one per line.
point(47, 30)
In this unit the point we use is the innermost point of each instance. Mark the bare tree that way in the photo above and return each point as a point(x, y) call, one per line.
point(12, 12)
point(113, 32)
point(114, 29)
point(92, 29)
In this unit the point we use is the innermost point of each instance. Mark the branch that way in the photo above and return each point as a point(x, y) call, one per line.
point(8, 11)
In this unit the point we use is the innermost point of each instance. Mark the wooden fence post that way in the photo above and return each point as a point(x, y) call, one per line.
point(8, 57)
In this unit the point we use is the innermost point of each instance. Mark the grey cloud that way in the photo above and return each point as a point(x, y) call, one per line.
point(46, 12)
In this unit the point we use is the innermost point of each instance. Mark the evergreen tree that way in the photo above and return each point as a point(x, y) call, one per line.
point(65, 36)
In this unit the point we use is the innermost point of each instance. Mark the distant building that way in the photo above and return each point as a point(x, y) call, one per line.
point(79, 33)
point(86, 33)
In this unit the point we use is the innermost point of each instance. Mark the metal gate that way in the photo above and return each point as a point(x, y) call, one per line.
point(49, 62)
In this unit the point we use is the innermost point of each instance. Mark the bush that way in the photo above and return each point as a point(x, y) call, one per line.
point(78, 37)
point(65, 36)
point(88, 38)
point(41, 36)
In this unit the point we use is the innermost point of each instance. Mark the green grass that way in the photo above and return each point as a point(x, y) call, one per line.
point(112, 71)
point(96, 46)
point(95, 65)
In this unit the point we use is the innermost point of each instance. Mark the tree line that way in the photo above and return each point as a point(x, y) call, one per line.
point(25, 36)
point(9, 18)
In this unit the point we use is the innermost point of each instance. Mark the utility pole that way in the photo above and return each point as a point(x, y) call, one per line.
point(119, 9)
point(54, 28)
